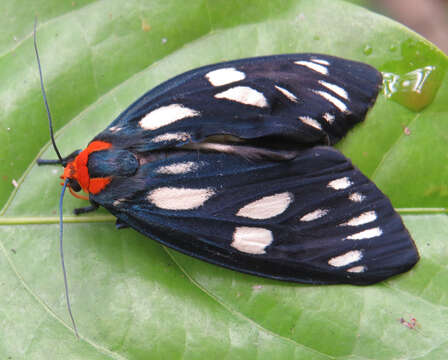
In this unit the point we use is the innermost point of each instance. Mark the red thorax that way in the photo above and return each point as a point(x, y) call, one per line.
point(77, 170)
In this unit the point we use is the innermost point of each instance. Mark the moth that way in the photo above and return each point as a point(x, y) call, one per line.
point(233, 163)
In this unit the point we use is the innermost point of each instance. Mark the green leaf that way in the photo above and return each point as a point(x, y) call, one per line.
point(132, 298)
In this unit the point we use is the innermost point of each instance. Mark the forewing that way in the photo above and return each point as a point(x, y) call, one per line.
point(300, 99)
point(315, 219)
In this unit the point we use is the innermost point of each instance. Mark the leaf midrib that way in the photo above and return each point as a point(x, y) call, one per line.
point(32, 220)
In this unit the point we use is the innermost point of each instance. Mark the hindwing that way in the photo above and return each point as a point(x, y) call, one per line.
point(314, 219)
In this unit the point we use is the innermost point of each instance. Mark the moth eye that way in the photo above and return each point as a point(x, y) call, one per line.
point(74, 185)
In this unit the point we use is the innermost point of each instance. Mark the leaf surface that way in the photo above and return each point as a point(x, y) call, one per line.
point(132, 298)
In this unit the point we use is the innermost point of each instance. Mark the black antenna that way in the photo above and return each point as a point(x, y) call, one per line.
point(61, 161)
point(44, 95)
point(61, 250)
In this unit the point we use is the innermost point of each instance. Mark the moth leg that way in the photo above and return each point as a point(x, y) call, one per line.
point(65, 160)
point(92, 207)
point(120, 225)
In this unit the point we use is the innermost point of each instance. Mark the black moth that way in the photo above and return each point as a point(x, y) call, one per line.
point(232, 163)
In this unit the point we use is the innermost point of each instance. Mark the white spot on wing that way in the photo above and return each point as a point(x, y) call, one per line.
point(266, 207)
point(345, 259)
point(313, 66)
point(287, 93)
point(362, 219)
point(251, 240)
point(357, 197)
point(178, 168)
point(357, 269)
point(340, 184)
point(179, 136)
point(321, 61)
point(366, 234)
point(171, 198)
point(244, 95)
point(224, 76)
point(330, 98)
point(310, 122)
point(230, 149)
point(335, 88)
point(118, 202)
point(166, 115)
point(314, 215)
point(114, 129)
point(329, 118)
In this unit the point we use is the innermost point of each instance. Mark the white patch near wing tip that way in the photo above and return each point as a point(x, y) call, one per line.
point(244, 95)
point(310, 122)
point(345, 259)
point(356, 197)
point(287, 93)
point(171, 198)
point(366, 234)
point(340, 184)
point(329, 118)
point(314, 215)
point(357, 269)
point(224, 76)
point(166, 115)
point(335, 88)
point(333, 100)
point(251, 240)
point(267, 207)
point(320, 61)
point(362, 219)
point(313, 66)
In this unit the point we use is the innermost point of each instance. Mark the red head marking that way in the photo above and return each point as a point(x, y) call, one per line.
point(77, 170)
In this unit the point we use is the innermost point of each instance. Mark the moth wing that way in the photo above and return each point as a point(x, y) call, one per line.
point(301, 99)
point(314, 219)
